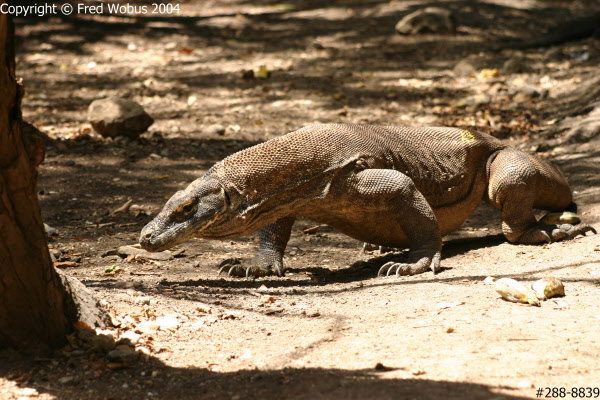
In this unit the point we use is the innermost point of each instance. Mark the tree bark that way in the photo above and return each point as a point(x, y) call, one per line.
point(37, 306)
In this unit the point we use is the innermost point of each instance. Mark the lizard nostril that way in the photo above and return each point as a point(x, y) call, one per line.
point(147, 235)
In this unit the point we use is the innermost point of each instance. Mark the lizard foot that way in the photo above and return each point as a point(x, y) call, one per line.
point(553, 233)
point(418, 267)
point(257, 268)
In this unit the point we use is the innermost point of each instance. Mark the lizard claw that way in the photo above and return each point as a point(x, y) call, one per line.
point(398, 269)
point(235, 268)
point(228, 263)
point(576, 230)
point(385, 268)
point(258, 271)
point(418, 267)
point(554, 233)
point(233, 271)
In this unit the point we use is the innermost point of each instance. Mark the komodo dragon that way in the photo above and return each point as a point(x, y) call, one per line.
point(397, 187)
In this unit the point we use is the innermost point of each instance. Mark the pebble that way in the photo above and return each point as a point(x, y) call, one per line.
point(427, 20)
point(65, 380)
point(86, 334)
point(143, 300)
point(103, 342)
point(215, 129)
point(514, 66)
point(122, 355)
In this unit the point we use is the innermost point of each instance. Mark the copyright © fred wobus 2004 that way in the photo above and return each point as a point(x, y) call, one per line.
point(42, 9)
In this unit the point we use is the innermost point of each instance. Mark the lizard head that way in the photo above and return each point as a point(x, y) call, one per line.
point(189, 212)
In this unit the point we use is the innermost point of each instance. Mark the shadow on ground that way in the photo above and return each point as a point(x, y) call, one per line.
point(152, 378)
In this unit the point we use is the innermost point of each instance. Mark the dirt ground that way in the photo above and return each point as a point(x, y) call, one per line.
point(329, 329)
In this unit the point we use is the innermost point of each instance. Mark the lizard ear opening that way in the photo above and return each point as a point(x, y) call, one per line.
point(226, 199)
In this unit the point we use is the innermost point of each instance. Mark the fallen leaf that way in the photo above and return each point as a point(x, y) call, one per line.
point(263, 72)
point(124, 208)
point(81, 325)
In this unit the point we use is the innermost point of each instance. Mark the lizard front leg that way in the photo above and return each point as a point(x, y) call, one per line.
point(408, 214)
point(273, 239)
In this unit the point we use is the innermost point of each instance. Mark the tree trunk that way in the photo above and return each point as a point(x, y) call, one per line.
point(37, 307)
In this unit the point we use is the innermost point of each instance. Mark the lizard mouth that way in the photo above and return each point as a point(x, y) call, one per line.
point(152, 241)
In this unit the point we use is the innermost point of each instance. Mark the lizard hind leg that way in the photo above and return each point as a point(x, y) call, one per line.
point(518, 183)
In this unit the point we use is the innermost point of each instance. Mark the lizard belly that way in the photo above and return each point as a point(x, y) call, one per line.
point(379, 224)
point(376, 227)
point(451, 216)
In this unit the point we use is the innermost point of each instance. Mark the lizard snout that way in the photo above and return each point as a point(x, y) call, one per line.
point(146, 238)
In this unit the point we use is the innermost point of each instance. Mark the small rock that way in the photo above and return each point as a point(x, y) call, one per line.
point(70, 163)
point(112, 117)
point(123, 355)
point(514, 66)
point(121, 141)
point(428, 20)
point(129, 337)
point(464, 68)
point(555, 53)
point(28, 392)
point(54, 253)
point(521, 98)
point(215, 129)
point(86, 334)
point(50, 231)
point(527, 93)
point(418, 371)
point(472, 101)
point(168, 323)
point(103, 342)
point(490, 280)
point(144, 352)
point(66, 380)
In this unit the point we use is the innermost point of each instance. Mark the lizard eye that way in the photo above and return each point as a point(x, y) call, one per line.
point(187, 207)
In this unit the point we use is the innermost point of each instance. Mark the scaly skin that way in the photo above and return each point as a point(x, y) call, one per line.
point(396, 187)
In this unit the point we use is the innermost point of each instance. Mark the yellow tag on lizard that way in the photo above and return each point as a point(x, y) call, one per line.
point(467, 136)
